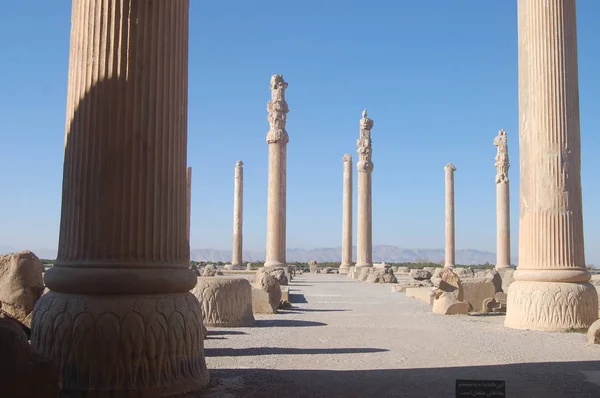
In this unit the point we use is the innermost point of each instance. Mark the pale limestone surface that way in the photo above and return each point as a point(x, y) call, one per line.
point(120, 285)
point(346, 215)
point(319, 348)
point(226, 302)
point(21, 284)
point(502, 165)
point(238, 204)
point(450, 253)
point(277, 140)
point(364, 166)
point(551, 289)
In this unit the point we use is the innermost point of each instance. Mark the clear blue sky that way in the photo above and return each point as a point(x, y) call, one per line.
point(439, 79)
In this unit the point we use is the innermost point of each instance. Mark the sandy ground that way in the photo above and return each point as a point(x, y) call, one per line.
point(351, 339)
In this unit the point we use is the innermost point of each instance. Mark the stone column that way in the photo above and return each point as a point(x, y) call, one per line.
point(551, 289)
point(364, 230)
point(450, 242)
point(238, 198)
point(347, 215)
point(502, 202)
point(188, 208)
point(277, 139)
point(119, 319)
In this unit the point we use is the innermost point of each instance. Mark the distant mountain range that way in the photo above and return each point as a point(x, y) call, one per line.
point(381, 253)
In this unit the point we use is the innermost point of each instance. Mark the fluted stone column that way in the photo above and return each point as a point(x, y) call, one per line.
point(364, 166)
point(277, 139)
point(238, 198)
point(450, 241)
point(347, 215)
point(188, 208)
point(502, 202)
point(551, 289)
point(119, 319)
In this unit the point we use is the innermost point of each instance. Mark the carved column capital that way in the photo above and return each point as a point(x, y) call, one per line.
point(278, 109)
point(364, 144)
point(502, 163)
point(450, 167)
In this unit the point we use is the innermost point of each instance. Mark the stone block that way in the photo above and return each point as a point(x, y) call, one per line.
point(476, 293)
point(226, 302)
point(285, 293)
point(261, 303)
point(21, 284)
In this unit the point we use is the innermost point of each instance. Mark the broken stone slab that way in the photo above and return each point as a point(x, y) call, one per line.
point(21, 284)
point(449, 295)
point(476, 292)
point(381, 265)
point(210, 270)
point(279, 273)
point(419, 274)
point(430, 269)
point(403, 270)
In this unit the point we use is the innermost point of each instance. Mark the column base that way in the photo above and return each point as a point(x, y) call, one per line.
point(123, 345)
point(551, 306)
point(344, 269)
point(274, 263)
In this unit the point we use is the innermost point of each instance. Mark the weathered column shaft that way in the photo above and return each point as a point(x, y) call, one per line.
point(364, 230)
point(347, 214)
point(238, 198)
point(188, 207)
point(502, 226)
point(550, 291)
point(450, 241)
point(502, 165)
point(277, 139)
point(119, 317)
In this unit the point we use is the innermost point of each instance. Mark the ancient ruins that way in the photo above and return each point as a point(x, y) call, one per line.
point(449, 170)
point(120, 287)
point(502, 202)
point(364, 166)
point(238, 198)
point(124, 311)
point(551, 289)
point(277, 139)
point(347, 215)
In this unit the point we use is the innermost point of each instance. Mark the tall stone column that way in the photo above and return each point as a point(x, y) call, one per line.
point(119, 319)
point(238, 204)
point(277, 139)
point(188, 207)
point(364, 166)
point(551, 289)
point(347, 215)
point(502, 202)
point(450, 241)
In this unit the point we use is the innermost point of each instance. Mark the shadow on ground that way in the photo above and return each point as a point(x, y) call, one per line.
point(285, 323)
point(224, 332)
point(253, 351)
point(528, 380)
point(297, 298)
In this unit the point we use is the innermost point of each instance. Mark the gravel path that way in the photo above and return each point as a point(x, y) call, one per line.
point(351, 339)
